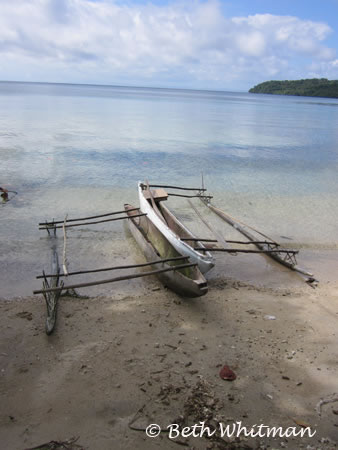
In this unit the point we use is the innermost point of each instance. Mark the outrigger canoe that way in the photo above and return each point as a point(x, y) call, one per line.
point(151, 203)
point(186, 281)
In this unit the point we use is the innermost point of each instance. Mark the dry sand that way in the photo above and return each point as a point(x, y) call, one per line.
point(161, 355)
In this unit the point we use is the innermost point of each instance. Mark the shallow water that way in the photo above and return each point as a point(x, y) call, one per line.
point(80, 150)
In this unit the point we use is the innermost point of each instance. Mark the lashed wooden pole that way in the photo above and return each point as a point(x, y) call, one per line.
point(189, 196)
point(106, 269)
point(112, 280)
point(250, 236)
point(87, 218)
point(88, 223)
point(176, 187)
point(244, 250)
point(230, 241)
point(64, 265)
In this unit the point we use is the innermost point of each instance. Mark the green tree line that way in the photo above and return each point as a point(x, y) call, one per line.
point(315, 87)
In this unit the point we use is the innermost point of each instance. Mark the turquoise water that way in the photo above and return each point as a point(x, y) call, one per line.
point(79, 150)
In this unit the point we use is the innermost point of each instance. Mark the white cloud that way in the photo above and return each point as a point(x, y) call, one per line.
point(251, 43)
point(191, 41)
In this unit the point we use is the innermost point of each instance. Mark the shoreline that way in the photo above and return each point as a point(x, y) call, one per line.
point(27, 251)
point(253, 268)
point(110, 356)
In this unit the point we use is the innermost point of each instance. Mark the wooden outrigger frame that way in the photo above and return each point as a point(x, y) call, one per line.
point(286, 257)
point(52, 289)
point(52, 298)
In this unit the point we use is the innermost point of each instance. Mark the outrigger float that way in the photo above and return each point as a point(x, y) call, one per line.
point(286, 257)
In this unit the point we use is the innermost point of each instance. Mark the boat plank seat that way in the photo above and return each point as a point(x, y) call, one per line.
point(158, 194)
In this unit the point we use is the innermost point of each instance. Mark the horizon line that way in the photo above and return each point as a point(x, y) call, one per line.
point(119, 86)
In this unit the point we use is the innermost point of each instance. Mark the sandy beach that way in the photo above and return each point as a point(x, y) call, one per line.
point(116, 364)
point(102, 101)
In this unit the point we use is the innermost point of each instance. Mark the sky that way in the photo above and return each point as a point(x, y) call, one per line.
point(196, 44)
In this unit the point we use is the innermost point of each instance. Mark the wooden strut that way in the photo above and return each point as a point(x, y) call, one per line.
point(86, 218)
point(230, 241)
point(48, 228)
point(153, 203)
point(243, 250)
point(80, 272)
point(112, 280)
point(291, 264)
point(175, 187)
point(52, 298)
point(89, 223)
point(64, 263)
point(189, 196)
point(216, 233)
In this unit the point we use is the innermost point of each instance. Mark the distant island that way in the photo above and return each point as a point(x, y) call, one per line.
point(315, 87)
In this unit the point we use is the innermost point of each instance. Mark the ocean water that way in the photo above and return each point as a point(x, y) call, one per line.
point(270, 161)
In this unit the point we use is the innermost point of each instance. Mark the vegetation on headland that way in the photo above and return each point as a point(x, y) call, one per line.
point(315, 87)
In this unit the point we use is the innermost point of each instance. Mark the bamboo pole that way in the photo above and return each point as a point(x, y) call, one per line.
point(80, 272)
point(64, 265)
point(246, 233)
point(87, 218)
point(176, 187)
point(112, 280)
point(93, 223)
point(52, 298)
point(189, 196)
point(216, 233)
point(231, 241)
point(244, 250)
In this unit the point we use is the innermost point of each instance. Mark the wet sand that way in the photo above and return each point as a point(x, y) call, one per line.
point(150, 351)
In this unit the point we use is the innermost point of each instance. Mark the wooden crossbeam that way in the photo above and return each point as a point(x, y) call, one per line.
point(112, 280)
point(132, 266)
point(86, 218)
point(189, 196)
point(243, 250)
point(230, 241)
point(174, 187)
point(91, 223)
point(238, 226)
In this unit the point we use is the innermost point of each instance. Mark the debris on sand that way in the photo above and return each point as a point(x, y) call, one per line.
point(70, 444)
point(227, 374)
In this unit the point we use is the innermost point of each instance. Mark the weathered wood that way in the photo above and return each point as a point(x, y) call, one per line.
point(216, 233)
point(230, 241)
point(189, 196)
point(176, 187)
point(159, 195)
point(52, 298)
point(153, 203)
point(274, 255)
point(236, 223)
point(85, 218)
point(244, 250)
point(93, 223)
point(112, 280)
point(106, 269)
point(64, 264)
point(155, 245)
